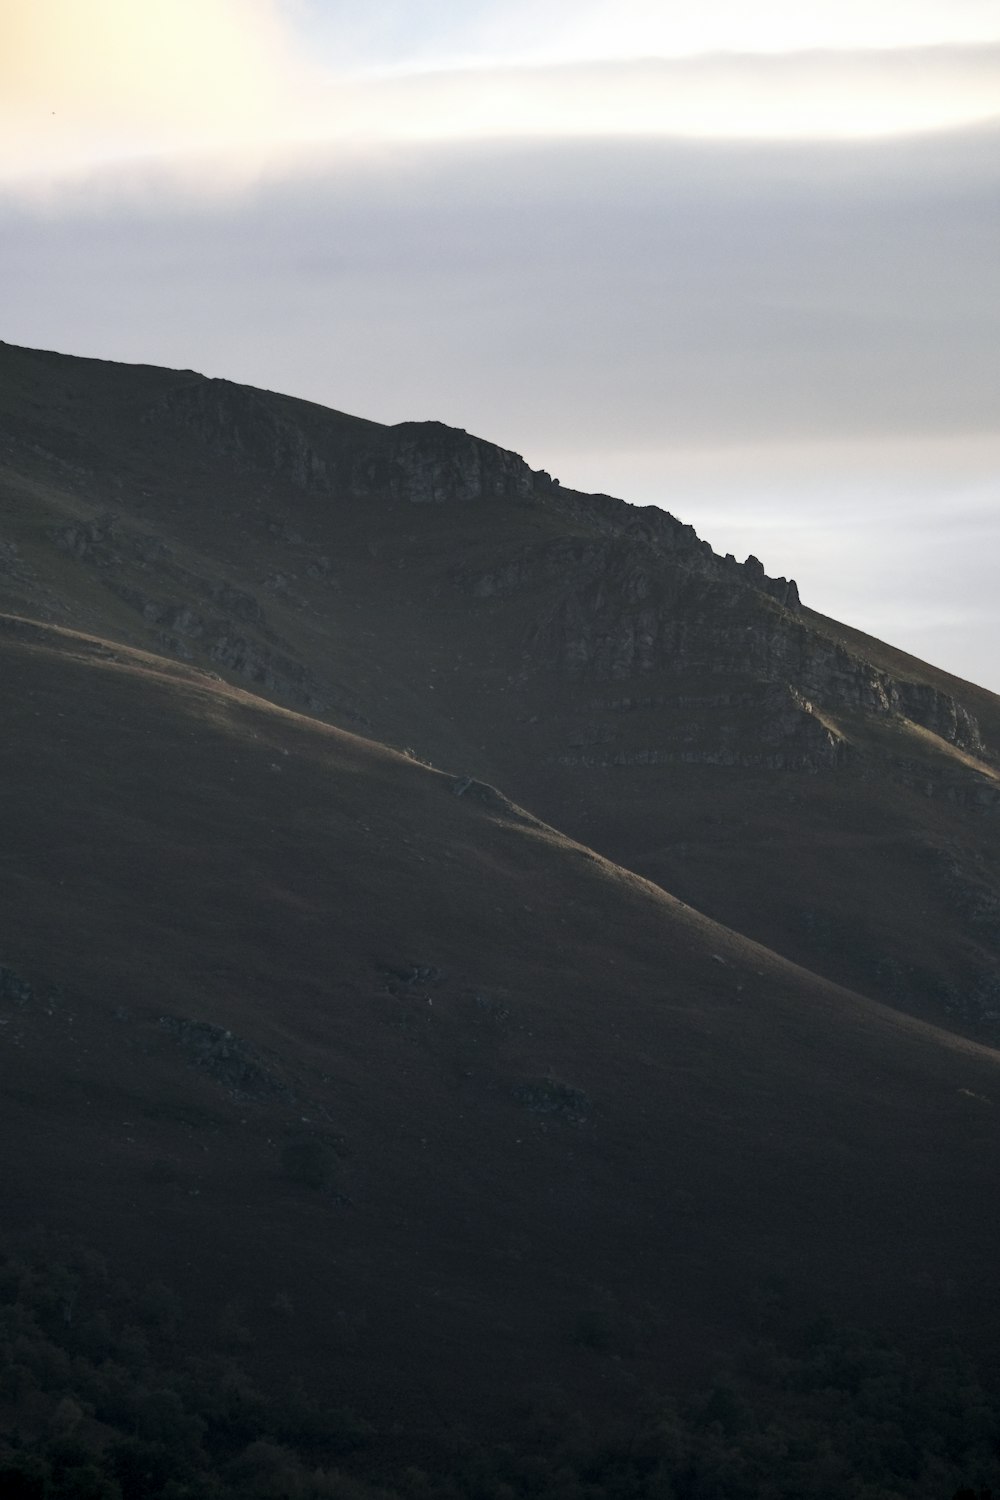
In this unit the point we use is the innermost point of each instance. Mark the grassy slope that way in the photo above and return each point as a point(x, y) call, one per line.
point(175, 847)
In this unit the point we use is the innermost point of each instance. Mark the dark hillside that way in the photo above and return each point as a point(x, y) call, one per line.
point(475, 967)
point(287, 1022)
point(677, 711)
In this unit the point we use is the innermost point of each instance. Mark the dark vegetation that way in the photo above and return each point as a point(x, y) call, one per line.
point(101, 1400)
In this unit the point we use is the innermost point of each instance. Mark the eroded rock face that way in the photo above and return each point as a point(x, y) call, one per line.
point(623, 612)
point(940, 713)
point(634, 557)
point(429, 464)
point(632, 591)
point(423, 462)
point(838, 678)
point(248, 428)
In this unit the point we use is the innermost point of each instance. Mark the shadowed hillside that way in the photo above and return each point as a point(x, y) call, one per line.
point(464, 937)
point(540, 1080)
point(679, 712)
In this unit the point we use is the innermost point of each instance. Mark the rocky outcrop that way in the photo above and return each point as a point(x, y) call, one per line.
point(940, 713)
point(248, 427)
point(623, 612)
point(239, 1067)
point(837, 678)
point(659, 535)
point(635, 555)
point(430, 464)
point(423, 462)
point(632, 592)
point(96, 541)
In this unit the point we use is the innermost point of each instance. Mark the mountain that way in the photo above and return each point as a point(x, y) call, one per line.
point(463, 934)
point(681, 713)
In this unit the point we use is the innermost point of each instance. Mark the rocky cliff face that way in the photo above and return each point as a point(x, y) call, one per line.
point(627, 594)
point(423, 462)
point(628, 607)
point(430, 464)
point(662, 535)
point(246, 427)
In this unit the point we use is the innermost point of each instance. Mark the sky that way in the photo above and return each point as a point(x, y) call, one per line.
point(739, 261)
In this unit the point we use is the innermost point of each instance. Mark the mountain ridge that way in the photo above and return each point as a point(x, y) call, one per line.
point(605, 639)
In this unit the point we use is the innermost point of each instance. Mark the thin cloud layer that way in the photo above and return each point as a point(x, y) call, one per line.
point(222, 87)
point(838, 95)
point(675, 28)
point(629, 294)
point(796, 348)
point(426, 34)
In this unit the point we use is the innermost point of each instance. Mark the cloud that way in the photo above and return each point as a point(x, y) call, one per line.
point(222, 88)
point(674, 28)
point(629, 294)
point(424, 34)
point(818, 94)
point(757, 336)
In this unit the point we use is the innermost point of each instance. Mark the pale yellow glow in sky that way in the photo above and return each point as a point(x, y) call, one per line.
point(85, 82)
point(82, 81)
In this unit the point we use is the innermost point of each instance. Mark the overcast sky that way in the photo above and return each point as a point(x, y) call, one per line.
point(743, 262)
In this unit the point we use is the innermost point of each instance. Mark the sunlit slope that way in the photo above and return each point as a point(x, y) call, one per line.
point(541, 1086)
